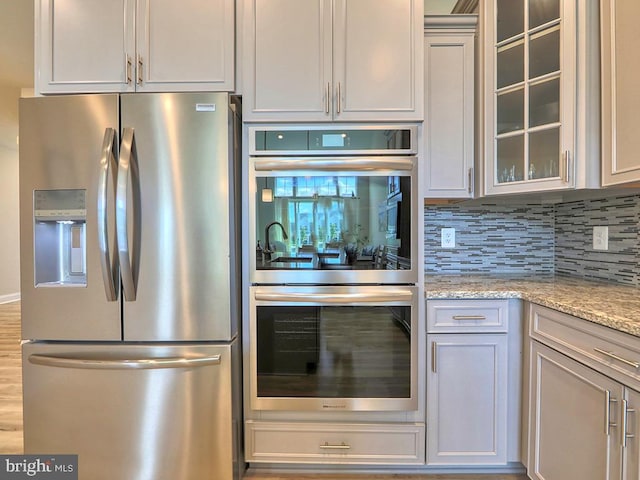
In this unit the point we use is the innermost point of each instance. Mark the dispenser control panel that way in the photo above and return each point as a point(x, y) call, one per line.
point(60, 205)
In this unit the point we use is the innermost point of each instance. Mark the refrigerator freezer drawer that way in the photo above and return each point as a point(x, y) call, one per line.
point(134, 411)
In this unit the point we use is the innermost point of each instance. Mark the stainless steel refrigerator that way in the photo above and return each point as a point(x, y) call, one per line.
point(130, 265)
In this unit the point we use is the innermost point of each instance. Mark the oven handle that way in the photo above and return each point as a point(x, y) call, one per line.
point(333, 164)
point(335, 298)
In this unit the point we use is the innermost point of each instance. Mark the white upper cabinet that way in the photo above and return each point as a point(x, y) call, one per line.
point(449, 83)
point(288, 59)
point(333, 60)
point(620, 93)
point(541, 91)
point(90, 46)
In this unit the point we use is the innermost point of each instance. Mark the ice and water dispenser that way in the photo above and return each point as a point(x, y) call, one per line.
point(60, 218)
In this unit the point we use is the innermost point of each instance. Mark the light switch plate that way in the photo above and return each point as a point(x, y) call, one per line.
point(601, 238)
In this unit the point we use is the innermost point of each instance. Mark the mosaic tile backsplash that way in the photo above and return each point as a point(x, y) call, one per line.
point(537, 239)
point(574, 253)
point(490, 239)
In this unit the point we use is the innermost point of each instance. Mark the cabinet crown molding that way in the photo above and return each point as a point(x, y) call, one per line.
point(433, 22)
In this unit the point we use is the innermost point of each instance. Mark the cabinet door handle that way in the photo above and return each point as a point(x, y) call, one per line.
point(566, 162)
point(341, 446)
point(618, 358)
point(471, 181)
point(625, 413)
point(327, 98)
point(469, 317)
point(339, 98)
point(139, 70)
point(434, 357)
point(128, 66)
point(607, 412)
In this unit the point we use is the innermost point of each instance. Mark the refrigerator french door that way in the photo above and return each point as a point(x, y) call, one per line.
point(130, 280)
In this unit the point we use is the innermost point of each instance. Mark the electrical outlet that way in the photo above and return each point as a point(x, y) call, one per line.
point(601, 238)
point(448, 237)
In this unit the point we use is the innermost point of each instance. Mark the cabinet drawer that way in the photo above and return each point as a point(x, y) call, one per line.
point(387, 444)
point(613, 353)
point(459, 316)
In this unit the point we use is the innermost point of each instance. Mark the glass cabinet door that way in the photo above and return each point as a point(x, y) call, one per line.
point(527, 90)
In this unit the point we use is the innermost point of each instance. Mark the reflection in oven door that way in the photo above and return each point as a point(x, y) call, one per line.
point(333, 220)
point(318, 349)
point(288, 341)
point(333, 352)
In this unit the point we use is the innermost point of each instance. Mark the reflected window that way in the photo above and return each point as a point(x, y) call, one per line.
point(314, 187)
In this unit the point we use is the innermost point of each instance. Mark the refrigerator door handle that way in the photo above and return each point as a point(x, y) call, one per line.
point(127, 169)
point(109, 269)
point(124, 364)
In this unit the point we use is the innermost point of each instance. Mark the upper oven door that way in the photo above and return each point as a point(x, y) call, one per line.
point(339, 219)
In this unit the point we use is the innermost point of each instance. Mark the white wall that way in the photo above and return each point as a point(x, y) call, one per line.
point(9, 229)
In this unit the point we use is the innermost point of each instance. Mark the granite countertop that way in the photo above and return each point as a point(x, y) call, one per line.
point(612, 305)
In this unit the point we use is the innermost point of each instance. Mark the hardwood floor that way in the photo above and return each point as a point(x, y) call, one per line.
point(11, 413)
point(10, 380)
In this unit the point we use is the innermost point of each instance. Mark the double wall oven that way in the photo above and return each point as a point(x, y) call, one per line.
point(333, 296)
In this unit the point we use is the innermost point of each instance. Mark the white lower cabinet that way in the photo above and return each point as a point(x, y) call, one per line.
point(583, 400)
point(631, 429)
point(334, 443)
point(467, 399)
point(474, 350)
point(574, 431)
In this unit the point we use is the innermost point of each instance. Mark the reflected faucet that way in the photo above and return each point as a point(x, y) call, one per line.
point(267, 244)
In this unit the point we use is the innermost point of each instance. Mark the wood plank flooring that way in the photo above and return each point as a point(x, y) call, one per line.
point(258, 475)
point(11, 414)
point(10, 380)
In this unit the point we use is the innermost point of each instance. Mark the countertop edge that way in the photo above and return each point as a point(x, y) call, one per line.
point(613, 312)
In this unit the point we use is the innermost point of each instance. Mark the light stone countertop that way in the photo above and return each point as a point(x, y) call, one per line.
point(609, 304)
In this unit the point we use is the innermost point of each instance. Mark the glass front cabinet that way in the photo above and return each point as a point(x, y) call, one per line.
point(537, 106)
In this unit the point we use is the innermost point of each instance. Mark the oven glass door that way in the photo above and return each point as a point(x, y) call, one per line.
point(321, 348)
point(344, 220)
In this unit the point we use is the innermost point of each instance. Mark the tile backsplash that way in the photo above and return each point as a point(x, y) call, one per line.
point(574, 253)
point(537, 239)
point(490, 238)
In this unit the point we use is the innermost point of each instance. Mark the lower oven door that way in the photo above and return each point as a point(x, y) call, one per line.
point(346, 348)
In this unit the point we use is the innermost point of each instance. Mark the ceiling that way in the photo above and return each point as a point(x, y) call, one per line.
point(16, 43)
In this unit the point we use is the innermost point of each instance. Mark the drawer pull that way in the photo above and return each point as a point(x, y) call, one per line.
point(469, 317)
point(342, 446)
point(616, 357)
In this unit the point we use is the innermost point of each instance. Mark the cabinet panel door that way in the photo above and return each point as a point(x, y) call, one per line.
point(186, 45)
point(79, 50)
point(467, 399)
point(632, 451)
point(378, 59)
point(287, 68)
point(449, 134)
point(575, 433)
point(620, 93)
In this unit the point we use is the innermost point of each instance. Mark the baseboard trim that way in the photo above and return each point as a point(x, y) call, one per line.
point(12, 297)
